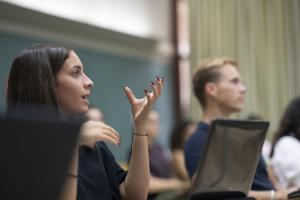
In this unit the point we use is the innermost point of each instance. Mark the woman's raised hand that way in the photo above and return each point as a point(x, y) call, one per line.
point(140, 108)
point(94, 131)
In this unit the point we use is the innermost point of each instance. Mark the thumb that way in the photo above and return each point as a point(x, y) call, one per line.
point(130, 96)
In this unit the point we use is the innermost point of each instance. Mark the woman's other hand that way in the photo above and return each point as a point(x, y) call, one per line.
point(93, 131)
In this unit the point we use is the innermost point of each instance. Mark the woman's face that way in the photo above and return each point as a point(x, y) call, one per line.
point(73, 87)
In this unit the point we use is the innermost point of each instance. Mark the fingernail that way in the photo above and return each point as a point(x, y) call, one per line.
point(146, 91)
point(124, 86)
point(152, 82)
point(157, 78)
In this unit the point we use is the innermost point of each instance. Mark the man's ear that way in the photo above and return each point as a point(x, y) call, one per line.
point(211, 89)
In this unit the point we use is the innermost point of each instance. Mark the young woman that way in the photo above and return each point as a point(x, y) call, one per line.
point(285, 150)
point(53, 75)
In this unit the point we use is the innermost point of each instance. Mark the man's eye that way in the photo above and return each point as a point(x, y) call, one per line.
point(235, 81)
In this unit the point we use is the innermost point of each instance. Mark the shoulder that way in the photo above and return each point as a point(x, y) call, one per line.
point(287, 142)
point(287, 147)
point(199, 134)
point(197, 139)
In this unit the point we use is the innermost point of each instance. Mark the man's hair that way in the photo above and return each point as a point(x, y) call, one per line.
point(208, 71)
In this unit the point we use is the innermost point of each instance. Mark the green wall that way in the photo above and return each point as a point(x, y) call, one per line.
point(109, 73)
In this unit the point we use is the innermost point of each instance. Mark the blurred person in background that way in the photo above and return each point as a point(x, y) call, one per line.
point(163, 183)
point(95, 114)
point(179, 135)
point(285, 152)
point(266, 154)
point(267, 144)
point(219, 89)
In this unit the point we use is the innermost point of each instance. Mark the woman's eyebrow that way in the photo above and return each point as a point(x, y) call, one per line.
point(77, 67)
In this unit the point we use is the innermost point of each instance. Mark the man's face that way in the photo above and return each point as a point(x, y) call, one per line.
point(230, 91)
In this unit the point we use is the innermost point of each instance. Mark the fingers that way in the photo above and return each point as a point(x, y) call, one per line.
point(93, 132)
point(141, 107)
point(107, 136)
point(107, 132)
point(159, 82)
point(156, 88)
point(110, 131)
point(156, 91)
point(102, 125)
point(130, 96)
point(149, 101)
point(153, 96)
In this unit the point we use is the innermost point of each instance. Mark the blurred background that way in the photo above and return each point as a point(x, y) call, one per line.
point(129, 42)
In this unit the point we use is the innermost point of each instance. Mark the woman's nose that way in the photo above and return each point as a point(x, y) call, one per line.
point(88, 82)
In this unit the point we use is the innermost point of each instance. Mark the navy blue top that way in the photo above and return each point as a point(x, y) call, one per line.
point(99, 174)
point(261, 180)
point(195, 146)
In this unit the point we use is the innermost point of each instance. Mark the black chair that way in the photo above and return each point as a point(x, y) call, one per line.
point(228, 163)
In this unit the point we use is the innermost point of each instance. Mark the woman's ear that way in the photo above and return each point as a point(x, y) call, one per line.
point(211, 89)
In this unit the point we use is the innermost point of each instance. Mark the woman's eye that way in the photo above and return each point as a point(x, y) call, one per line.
point(76, 74)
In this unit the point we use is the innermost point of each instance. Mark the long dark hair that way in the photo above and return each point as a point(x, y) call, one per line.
point(289, 124)
point(178, 133)
point(32, 77)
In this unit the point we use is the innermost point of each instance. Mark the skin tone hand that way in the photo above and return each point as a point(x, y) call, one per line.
point(136, 184)
point(93, 131)
point(90, 133)
point(283, 194)
point(265, 195)
point(140, 108)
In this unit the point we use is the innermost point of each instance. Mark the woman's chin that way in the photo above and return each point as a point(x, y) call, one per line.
point(83, 111)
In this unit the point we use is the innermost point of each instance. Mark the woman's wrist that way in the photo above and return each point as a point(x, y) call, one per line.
point(140, 134)
point(73, 170)
point(140, 129)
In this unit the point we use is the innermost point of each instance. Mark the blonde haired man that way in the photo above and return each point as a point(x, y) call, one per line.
point(218, 87)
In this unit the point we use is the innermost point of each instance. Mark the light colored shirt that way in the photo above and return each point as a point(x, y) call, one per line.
point(286, 161)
